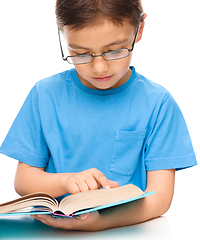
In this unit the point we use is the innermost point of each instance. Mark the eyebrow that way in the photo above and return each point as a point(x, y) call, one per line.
point(74, 46)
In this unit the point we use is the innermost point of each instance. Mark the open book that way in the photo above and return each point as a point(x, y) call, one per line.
point(72, 205)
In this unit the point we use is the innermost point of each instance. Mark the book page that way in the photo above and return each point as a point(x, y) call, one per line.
point(31, 200)
point(99, 197)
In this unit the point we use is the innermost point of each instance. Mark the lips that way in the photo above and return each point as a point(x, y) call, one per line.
point(102, 79)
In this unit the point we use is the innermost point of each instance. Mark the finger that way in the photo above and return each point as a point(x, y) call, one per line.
point(63, 223)
point(91, 183)
point(101, 179)
point(73, 187)
point(56, 222)
point(113, 184)
point(34, 216)
point(41, 218)
point(82, 216)
point(86, 181)
point(82, 185)
point(51, 221)
point(84, 222)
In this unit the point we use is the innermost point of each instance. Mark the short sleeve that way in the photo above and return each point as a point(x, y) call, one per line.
point(25, 140)
point(169, 145)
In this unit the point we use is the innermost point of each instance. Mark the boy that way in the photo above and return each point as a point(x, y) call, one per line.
point(101, 124)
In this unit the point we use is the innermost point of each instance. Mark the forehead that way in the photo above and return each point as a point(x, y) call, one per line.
point(99, 35)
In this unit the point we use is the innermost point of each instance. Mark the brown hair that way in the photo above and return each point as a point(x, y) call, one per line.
point(81, 13)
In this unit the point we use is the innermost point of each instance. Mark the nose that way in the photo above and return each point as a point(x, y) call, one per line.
point(99, 64)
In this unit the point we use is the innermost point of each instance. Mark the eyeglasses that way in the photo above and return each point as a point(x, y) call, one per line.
point(88, 58)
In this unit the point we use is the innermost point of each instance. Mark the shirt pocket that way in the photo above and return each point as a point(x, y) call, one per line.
point(127, 151)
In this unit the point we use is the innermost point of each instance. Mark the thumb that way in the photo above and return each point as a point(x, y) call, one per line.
point(82, 216)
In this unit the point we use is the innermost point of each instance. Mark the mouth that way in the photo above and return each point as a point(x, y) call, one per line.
point(103, 79)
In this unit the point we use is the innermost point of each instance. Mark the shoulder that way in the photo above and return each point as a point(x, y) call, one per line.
point(150, 90)
point(150, 86)
point(57, 81)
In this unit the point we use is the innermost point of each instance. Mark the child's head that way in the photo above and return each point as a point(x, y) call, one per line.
point(100, 36)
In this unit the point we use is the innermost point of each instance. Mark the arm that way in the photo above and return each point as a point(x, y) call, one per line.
point(162, 182)
point(30, 179)
point(132, 213)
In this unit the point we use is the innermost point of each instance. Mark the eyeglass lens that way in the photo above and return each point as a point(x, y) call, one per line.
point(111, 55)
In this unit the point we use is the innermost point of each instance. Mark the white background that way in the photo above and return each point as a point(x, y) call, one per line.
point(168, 54)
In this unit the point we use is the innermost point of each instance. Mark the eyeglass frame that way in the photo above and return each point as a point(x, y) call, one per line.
point(100, 55)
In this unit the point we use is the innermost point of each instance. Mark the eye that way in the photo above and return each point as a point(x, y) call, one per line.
point(86, 53)
point(116, 54)
point(73, 52)
point(84, 56)
point(79, 54)
point(116, 51)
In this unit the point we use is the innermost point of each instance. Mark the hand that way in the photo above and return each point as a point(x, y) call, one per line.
point(88, 180)
point(84, 222)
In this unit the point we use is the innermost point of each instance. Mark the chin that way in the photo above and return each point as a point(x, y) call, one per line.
point(104, 86)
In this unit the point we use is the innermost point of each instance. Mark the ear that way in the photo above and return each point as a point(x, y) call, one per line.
point(139, 37)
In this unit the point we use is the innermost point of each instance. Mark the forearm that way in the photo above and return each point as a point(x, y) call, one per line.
point(30, 179)
point(162, 182)
point(131, 213)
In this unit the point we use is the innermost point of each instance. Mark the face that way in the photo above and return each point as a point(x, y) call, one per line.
point(102, 74)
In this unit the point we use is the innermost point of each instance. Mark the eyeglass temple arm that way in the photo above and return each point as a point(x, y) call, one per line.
point(63, 57)
point(135, 37)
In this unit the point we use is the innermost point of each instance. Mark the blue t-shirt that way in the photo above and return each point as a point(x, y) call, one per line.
point(124, 132)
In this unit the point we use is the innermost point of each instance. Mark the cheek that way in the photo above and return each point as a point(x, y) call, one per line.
point(82, 70)
point(121, 66)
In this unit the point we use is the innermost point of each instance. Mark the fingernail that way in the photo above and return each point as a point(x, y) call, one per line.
point(107, 187)
point(84, 216)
